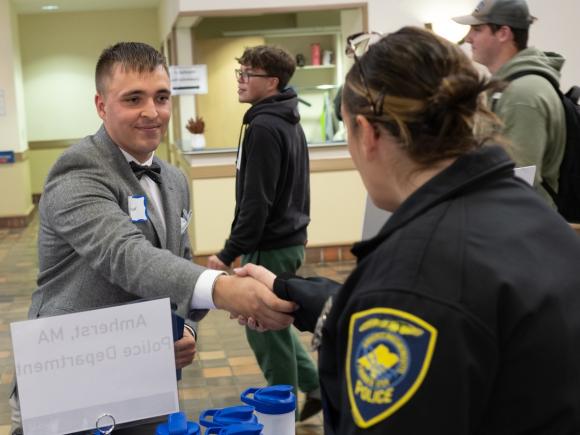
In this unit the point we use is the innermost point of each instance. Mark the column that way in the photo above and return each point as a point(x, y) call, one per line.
point(16, 206)
point(184, 50)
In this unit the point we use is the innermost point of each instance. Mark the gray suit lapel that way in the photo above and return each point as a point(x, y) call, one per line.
point(116, 160)
point(171, 206)
point(154, 218)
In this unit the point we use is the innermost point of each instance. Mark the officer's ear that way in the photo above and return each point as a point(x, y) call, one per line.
point(369, 137)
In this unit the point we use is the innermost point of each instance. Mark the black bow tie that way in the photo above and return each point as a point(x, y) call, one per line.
point(153, 171)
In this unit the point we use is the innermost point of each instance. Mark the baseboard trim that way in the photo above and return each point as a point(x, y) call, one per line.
point(314, 255)
point(20, 221)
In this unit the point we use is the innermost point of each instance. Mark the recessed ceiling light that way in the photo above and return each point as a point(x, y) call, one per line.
point(49, 7)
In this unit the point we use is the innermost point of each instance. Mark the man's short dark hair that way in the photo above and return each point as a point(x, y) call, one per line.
point(132, 56)
point(275, 61)
point(520, 35)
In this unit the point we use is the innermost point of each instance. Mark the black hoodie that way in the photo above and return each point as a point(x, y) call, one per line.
point(272, 180)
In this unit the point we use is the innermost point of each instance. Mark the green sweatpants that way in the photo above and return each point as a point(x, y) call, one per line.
point(280, 354)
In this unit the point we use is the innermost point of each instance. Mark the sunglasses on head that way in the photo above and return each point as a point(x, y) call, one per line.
point(357, 45)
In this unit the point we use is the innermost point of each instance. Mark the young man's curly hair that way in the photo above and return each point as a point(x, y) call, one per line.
point(275, 61)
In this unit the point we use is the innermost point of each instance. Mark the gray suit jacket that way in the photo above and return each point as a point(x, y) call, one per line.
point(90, 252)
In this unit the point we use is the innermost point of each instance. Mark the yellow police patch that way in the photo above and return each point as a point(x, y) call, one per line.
point(389, 353)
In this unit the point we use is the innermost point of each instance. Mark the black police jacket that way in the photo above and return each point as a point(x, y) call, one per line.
point(462, 315)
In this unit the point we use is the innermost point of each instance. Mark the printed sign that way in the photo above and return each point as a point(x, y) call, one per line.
point(73, 369)
point(374, 219)
point(526, 173)
point(7, 157)
point(188, 80)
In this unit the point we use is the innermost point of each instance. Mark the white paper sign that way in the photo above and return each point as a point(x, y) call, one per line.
point(72, 369)
point(374, 219)
point(526, 173)
point(188, 80)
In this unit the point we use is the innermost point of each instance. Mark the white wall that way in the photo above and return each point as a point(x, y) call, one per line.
point(12, 127)
point(384, 15)
point(59, 53)
point(556, 30)
point(167, 14)
point(14, 177)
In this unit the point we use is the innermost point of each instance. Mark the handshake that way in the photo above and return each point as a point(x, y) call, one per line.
point(248, 296)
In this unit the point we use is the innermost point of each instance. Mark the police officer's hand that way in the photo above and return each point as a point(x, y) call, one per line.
point(184, 349)
point(247, 297)
point(258, 272)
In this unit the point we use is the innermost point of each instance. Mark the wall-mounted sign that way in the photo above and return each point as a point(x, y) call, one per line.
point(74, 369)
point(7, 157)
point(188, 79)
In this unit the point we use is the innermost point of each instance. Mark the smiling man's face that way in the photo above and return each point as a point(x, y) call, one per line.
point(135, 109)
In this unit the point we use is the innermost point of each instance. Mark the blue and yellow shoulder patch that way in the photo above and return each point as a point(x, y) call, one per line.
point(389, 353)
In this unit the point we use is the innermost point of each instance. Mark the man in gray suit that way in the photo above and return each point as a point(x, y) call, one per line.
point(113, 217)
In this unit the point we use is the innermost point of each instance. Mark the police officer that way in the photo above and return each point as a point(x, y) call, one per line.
point(462, 314)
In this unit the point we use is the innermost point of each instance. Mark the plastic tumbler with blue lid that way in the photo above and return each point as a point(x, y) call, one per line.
point(237, 429)
point(227, 416)
point(177, 424)
point(275, 408)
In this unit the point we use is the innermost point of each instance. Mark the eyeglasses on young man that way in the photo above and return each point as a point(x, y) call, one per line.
point(244, 76)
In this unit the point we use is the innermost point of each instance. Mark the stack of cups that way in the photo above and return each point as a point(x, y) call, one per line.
point(275, 408)
point(218, 418)
point(177, 424)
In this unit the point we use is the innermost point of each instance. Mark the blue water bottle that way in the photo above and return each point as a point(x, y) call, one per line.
point(275, 408)
point(237, 429)
point(227, 416)
point(177, 424)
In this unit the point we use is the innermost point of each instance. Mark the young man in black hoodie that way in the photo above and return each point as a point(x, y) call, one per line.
point(272, 205)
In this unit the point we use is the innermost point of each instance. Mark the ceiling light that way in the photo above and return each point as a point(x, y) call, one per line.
point(50, 8)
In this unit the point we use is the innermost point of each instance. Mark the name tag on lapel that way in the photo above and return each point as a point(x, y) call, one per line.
point(138, 208)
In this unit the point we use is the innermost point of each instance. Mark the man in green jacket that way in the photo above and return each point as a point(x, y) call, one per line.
point(530, 108)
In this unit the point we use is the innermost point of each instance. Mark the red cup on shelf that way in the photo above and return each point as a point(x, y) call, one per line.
point(315, 53)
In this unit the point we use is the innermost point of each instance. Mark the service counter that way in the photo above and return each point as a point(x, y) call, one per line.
point(337, 199)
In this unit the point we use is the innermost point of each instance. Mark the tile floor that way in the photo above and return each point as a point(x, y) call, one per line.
point(224, 365)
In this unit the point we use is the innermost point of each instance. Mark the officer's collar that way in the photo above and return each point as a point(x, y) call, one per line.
point(467, 172)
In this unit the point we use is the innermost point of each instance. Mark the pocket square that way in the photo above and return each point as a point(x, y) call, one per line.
point(185, 219)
